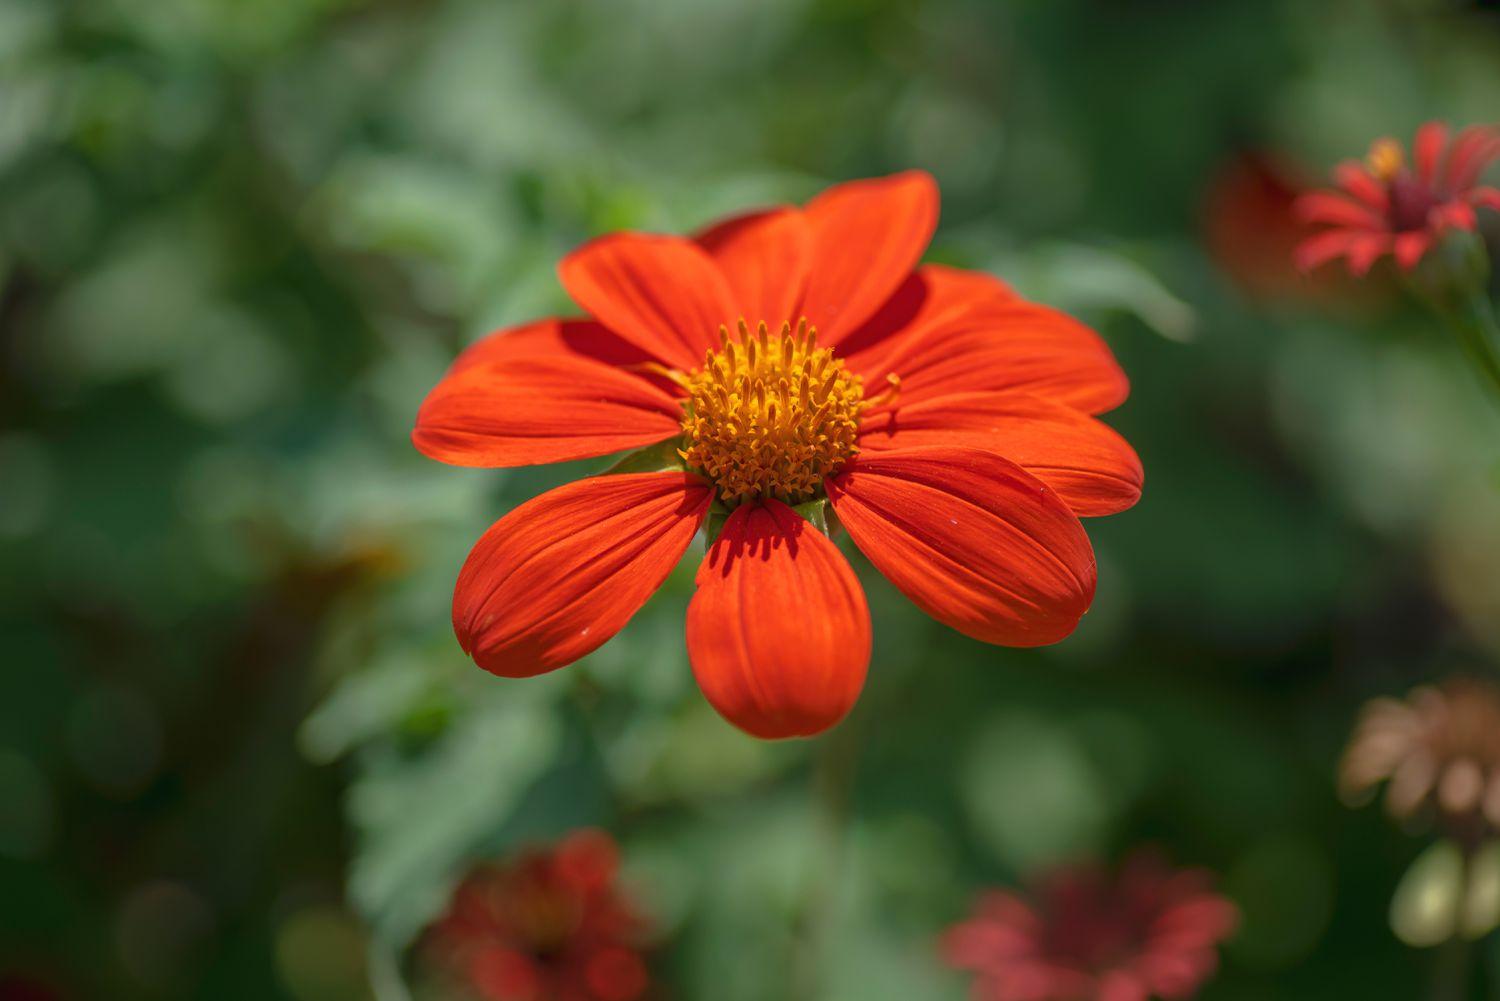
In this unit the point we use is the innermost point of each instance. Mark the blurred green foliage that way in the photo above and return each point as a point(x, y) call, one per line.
point(241, 755)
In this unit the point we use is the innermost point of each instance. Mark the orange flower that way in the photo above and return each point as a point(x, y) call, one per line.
point(791, 355)
point(1384, 207)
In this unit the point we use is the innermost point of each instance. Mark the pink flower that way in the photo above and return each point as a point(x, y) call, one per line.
point(1385, 207)
point(1085, 935)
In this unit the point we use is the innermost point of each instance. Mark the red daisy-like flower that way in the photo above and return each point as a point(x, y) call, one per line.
point(1084, 935)
point(1385, 207)
point(791, 356)
point(549, 925)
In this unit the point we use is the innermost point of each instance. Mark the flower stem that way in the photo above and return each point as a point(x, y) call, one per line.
point(1454, 966)
point(1454, 283)
point(1455, 962)
point(1473, 318)
point(832, 781)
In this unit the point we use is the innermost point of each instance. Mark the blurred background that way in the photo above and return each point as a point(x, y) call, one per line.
point(241, 754)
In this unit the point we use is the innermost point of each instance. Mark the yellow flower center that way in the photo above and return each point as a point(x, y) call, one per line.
point(770, 415)
point(1385, 159)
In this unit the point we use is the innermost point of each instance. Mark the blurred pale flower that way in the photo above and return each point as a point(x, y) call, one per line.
point(1439, 747)
point(786, 358)
point(1386, 207)
point(1084, 934)
point(548, 925)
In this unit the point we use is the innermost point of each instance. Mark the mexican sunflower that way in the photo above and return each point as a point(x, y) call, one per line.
point(1084, 934)
point(1383, 206)
point(548, 924)
point(790, 359)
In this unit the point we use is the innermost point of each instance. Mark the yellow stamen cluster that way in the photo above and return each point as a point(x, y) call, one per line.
point(770, 415)
point(1385, 159)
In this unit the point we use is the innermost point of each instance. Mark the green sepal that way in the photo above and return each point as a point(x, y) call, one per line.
point(815, 511)
point(658, 458)
point(718, 514)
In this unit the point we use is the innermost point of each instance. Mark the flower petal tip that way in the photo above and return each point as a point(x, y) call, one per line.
point(778, 631)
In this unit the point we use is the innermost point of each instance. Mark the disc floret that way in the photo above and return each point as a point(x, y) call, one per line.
point(770, 415)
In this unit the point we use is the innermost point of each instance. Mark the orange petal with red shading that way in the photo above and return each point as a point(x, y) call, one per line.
point(1320, 248)
point(1427, 148)
point(539, 409)
point(552, 336)
point(1335, 210)
point(778, 632)
point(932, 294)
point(1355, 179)
point(562, 573)
point(972, 539)
point(867, 237)
point(999, 346)
point(663, 294)
point(1092, 468)
point(765, 257)
point(1471, 152)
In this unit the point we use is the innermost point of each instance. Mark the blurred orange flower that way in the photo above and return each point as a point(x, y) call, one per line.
point(1437, 748)
point(1385, 206)
point(1086, 935)
point(1249, 226)
point(790, 355)
point(549, 925)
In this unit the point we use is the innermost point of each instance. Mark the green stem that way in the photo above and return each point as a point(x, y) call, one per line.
point(833, 771)
point(1453, 976)
point(1453, 282)
point(1454, 965)
point(1473, 317)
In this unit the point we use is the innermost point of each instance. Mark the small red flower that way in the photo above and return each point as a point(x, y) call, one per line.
point(1385, 207)
point(549, 925)
point(790, 355)
point(1150, 932)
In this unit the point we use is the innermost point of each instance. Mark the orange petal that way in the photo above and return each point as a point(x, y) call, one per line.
point(1453, 214)
point(999, 346)
point(973, 539)
point(1410, 247)
point(1432, 137)
point(562, 573)
point(778, 632)
point(764, 256)
point(546, 408)
point(1092, 468)
point(1320, 248)
point(1485, 198)
point(663, 294)
point(1472, 151)
point(1366, 250)
point(1336, 210)
point(932, 294)
point(1355, 179)
point(553, 337)
point(867, 238)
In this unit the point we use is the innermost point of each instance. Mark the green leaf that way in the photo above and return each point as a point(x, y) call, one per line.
point(652, 459)
point(418, 818)
point(1076, 277)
